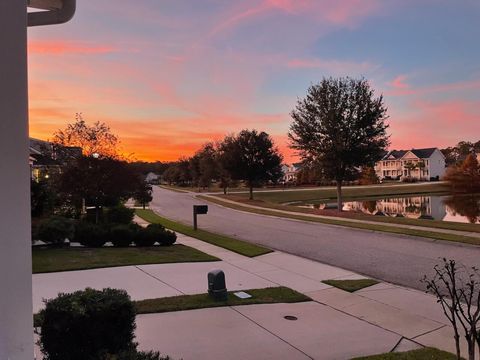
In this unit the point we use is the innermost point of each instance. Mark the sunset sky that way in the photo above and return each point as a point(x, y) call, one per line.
point(170, 75)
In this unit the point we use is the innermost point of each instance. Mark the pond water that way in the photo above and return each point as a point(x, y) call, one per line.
point(465, 208)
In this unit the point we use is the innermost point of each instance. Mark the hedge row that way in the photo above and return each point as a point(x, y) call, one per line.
point(56, 229)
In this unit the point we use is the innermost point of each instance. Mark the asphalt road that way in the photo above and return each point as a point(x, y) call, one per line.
point(393, 258)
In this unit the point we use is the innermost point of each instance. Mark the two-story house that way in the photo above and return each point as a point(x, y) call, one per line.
point(421, 164)
point(290, 172)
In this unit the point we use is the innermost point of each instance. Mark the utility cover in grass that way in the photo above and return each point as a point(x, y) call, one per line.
point(351, 285)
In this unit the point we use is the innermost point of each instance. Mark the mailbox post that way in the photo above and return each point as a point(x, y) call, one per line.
point(198, 210)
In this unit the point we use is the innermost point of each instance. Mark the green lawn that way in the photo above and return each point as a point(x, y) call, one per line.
point(422, 354)
point(351, 285)
point(238, 246)
point(200, 301)
point(272, 211)
point(47, 260)
point(330, 193)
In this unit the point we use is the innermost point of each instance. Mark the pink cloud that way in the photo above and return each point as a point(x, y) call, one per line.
point(62, 47)
point(291, 6)
point(435, 123)
point(344, 12)
point(238, 18)
point(347, 11)
point(400, 82)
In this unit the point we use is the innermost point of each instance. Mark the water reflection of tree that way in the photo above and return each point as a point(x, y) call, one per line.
point(414, 209)
point(370, 205)
point(466, 205)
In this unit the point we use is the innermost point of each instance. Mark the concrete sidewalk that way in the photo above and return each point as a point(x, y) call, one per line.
point(410, 314)
point(336, 325)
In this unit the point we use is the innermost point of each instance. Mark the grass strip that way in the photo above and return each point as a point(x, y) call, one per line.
point(46, 260)
point(348, 192)
point(421, 354)
point(174, 188)
point(188, 302)
point(351, 285)
point(201, 301)
point(226, 242)
point(373, 227)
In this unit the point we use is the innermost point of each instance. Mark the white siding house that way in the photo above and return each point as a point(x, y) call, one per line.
point(421, 164)
point(290, 172)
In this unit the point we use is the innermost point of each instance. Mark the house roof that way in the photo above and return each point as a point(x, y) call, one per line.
point(423, 153)
point(420, 153)
point(42, 160)
point(395, 154)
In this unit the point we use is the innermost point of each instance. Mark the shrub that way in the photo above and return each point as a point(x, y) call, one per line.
point(55, 230)
point(120, 215)
point(88, 325)
point(168, 238)
point(135, 227)
point(157, 227)
point(90, 235)
point(409, 179)
point(152, 234)
point(121, 235)
point(163, 236)
point(146, 237)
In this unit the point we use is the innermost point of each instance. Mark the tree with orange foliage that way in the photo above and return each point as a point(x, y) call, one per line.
point(466, 177)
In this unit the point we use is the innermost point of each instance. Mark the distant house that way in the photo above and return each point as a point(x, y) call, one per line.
point(152, 178)
point(47, 158)
point(421, 164)
point(290, 172)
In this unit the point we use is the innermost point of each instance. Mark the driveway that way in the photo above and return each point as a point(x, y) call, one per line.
point(393, 258)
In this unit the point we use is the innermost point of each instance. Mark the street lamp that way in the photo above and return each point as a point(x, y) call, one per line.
point(54, 12)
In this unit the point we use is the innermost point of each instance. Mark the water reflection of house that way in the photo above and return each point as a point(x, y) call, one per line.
point(426, 207)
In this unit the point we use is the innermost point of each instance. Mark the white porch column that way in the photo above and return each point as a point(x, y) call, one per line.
point(16, 329)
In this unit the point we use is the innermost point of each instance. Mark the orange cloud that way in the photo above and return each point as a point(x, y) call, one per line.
point(62, 47)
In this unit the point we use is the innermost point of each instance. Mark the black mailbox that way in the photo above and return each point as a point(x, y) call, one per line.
point(200, 209)
point(216, 285)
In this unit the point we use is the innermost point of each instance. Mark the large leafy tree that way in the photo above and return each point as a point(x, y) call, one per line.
point(97, 181)
point(340, 127)
point(203, 166)
point(93, 139)
point(251, 156)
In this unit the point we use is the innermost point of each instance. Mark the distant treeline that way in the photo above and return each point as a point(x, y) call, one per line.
point(457, 154)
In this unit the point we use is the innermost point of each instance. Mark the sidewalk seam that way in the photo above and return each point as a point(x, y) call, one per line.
point(270, 332)
point(163, 282)
point(431, 331)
